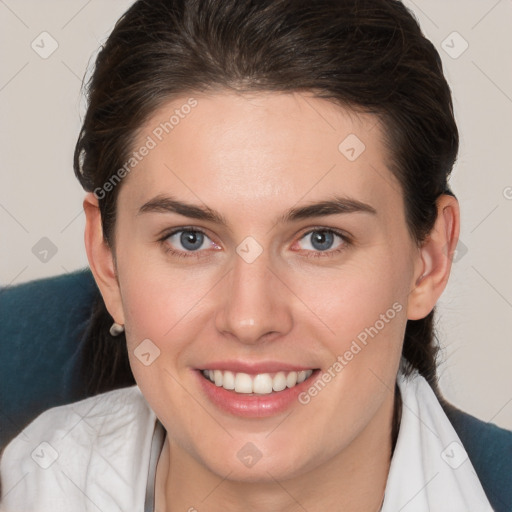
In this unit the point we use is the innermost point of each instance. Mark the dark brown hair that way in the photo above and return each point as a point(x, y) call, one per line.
point(367, 55)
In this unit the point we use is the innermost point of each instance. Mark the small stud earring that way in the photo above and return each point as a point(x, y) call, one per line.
point(116, 329)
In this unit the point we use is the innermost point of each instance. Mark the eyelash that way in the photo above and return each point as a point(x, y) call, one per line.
point(311, 254)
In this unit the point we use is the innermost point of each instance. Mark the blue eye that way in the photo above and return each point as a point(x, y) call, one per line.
point(320, 241)
point(190, 240)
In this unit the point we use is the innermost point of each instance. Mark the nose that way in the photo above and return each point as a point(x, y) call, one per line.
point(255, 304)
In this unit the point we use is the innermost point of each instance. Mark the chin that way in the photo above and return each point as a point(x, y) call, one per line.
point(251, 465)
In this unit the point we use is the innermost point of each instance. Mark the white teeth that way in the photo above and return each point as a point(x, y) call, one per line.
point(243, 383)
point(228, 380)
point(291, 379)
point(262, 383)
point(301, 376)
point(279, 381)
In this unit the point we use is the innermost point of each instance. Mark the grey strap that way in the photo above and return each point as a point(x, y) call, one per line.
point(156, 448)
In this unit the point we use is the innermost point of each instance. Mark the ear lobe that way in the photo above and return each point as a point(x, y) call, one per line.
point(101, 259)
point(435, 256)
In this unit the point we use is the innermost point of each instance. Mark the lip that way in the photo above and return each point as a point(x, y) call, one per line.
point(253, 368)
point(252, 405)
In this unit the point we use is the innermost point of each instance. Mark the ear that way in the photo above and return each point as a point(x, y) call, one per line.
point(101, 259)
point(435, 259)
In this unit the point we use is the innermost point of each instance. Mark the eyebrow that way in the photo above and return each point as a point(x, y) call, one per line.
point(334, 206)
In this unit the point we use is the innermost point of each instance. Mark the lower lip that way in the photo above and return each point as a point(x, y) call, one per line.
point(251, 405)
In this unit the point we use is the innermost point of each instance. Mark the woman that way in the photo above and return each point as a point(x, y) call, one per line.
point(270, 225)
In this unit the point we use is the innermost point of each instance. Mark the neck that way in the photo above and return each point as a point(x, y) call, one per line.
point(353, 480)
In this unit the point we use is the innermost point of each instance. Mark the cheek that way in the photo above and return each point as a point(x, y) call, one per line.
point(164, 316)
point(159, 303)
point(360, 298)
point(362, 311)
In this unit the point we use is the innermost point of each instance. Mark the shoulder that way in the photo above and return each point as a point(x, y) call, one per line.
point(489, 448)
point(86, 447)
point(95, 418)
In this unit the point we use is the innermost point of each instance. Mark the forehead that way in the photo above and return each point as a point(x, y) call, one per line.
point(260, 151)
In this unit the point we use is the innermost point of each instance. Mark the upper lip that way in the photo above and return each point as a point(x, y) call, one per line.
point(254, 367)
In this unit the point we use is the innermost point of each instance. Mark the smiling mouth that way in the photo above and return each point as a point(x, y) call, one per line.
point(261, 383)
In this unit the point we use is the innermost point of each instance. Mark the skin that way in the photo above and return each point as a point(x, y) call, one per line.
point(251, 158)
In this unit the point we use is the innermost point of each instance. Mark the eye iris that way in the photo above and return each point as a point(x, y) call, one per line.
point(191, 240)
point(320, 238)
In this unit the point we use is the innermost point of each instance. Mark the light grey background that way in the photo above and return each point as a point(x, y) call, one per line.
point(41, 108)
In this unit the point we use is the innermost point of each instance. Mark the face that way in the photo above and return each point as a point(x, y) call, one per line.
point(254, 279)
